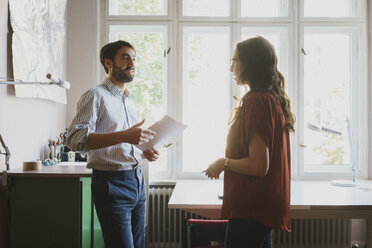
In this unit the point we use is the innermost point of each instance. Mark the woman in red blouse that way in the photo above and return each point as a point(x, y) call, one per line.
point(258, 163)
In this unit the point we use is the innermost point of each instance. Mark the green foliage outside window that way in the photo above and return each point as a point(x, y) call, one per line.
point(146, 90)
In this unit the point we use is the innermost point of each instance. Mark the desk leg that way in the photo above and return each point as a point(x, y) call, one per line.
point(369, 232)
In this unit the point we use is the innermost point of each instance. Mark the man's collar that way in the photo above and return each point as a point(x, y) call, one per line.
point(113, 89)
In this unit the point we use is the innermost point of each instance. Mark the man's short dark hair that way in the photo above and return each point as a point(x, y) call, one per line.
point(109, 51)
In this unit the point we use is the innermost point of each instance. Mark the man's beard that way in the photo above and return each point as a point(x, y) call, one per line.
point(121, 75)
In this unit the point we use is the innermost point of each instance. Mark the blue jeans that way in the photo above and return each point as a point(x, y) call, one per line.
point(120, 201)
point(247, 233)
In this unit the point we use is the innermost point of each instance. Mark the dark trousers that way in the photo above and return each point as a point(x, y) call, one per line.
point(247, 233)
point(120, 201)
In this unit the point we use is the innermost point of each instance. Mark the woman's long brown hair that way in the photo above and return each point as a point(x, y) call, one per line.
point(259, 71)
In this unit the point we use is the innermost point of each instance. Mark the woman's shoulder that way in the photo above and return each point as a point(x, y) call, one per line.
point(261, 98)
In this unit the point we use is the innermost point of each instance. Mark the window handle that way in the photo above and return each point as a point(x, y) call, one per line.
point(303, 146)
point(303, 51)
point(167, 52)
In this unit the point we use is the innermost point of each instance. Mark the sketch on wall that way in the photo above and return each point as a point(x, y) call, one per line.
point(38, 46)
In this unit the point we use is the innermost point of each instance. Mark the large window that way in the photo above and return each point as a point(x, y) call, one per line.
point(148, 89)
point(183, 50)
point(332, 86)
point(205, 94)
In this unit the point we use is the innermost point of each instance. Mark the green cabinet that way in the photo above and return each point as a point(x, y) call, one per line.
point(52, 212)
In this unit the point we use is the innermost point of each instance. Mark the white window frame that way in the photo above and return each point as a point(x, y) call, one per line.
point(295, 23)
point(178, 153)
point(359, 86)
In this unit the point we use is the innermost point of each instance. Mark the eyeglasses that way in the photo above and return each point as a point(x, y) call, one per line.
point(232, 61)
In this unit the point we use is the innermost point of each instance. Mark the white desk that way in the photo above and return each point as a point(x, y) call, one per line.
point(309, 199)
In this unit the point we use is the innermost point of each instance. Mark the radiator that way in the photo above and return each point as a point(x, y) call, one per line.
point(164, 226)
point(309, 233)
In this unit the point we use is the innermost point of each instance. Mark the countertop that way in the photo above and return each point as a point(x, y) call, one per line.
point(64, 169)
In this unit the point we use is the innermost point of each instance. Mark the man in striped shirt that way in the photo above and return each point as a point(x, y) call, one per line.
point(106, 127)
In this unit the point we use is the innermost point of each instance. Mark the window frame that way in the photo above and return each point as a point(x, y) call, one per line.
point(359, 86)
point(178, 153)
point(295, 23)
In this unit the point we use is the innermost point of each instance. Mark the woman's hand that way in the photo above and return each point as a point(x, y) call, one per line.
point(214, 170)
point(151, 155)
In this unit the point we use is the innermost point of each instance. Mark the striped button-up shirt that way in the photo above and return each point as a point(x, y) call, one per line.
point(104, 109)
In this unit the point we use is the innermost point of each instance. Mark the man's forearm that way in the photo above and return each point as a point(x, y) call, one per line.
point(134, 135)
point(103, 140)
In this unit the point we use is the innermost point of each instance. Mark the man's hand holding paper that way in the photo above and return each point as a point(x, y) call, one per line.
point(137, 135)
point(166, 129)
point(151, 154)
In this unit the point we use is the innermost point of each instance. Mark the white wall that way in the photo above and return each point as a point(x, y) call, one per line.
point(82, 51)
point(25, 124)
point(370, 87)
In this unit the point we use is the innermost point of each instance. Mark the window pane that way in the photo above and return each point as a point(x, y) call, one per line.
point(148, 89)
point(264, 8)
point(327, 81)
point(278, 37)
point(331, 8)
point(206, 95)
point(137, 7)
point(206, 7)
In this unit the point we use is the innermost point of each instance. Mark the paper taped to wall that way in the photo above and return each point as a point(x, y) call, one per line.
point(38, 46)
point(166, 129)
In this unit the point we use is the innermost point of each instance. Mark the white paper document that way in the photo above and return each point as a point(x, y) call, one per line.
point(166, 129)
